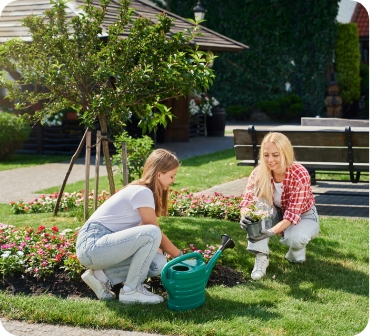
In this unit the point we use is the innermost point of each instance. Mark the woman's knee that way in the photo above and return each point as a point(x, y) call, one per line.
point(157, 264)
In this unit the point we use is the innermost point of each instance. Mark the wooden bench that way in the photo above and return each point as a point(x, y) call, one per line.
point(316, 148)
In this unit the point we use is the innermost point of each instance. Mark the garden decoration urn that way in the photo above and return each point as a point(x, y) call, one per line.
point(185, 277)
point(333, 101)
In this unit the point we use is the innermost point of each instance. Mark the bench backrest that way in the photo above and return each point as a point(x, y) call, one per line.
point(310, 145)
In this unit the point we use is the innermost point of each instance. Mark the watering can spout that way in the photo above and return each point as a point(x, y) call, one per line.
point(226, 242)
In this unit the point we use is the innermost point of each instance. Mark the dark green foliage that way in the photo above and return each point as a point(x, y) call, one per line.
point(13, 133)
point(277, 32)
point(347, 62)
point(238, 112)
point(138, 151)
point(364, 106)
point(286, 108)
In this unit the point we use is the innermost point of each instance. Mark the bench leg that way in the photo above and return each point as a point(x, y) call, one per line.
point(313, 177)
point(353, 178)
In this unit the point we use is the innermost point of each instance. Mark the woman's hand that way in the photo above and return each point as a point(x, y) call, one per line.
point(264, 234)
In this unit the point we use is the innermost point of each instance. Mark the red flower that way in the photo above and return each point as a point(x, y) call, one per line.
point(41, 228)
point(55, 229)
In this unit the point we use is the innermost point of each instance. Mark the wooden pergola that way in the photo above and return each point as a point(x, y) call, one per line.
point(178, 129)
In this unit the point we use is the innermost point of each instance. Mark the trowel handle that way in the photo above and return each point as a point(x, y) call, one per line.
point(193, 255)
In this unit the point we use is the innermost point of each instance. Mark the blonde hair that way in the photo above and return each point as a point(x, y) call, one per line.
point(159, 161)
point(263, 188)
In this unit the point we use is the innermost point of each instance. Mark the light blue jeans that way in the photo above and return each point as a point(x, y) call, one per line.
point(296, 237)
point(128, 256)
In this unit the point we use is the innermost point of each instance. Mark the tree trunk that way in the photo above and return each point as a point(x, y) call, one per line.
point(108, 164)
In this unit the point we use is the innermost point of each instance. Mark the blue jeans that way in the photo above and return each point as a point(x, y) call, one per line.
point(127, 256)
point(296, 237)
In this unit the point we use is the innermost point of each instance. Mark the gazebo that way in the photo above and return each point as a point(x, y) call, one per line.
point(178, 129)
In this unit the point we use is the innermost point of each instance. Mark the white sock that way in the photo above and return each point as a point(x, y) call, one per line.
point(100, 275)
point(127, 289)
point(261, 255)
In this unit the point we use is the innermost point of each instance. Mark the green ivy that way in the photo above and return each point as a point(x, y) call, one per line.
point(347, 63)
point(277, 32)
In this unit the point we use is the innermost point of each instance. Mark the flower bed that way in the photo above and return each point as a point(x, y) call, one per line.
point(68, 201)
point(39, 252)
point(42, 251)
point(181, 203)
point(185, 204)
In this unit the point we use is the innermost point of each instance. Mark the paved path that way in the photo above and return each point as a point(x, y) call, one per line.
point(336, 199)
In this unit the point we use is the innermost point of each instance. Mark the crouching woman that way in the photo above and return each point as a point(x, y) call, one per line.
point(122, 241)
point(284, 185)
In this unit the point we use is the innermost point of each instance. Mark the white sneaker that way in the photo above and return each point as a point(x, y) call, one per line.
point(140, 295)
point(296, 256)
point(260, 265)
point(101, 289)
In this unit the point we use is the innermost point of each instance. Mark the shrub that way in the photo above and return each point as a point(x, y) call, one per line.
point(285, 108)
point(138, 151)
point(13, 133)
point(347, 62)
point(364, 103)
point(238, 112)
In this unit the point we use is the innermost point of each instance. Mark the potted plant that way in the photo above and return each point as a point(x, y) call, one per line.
point(255, 214)
point(201, 107)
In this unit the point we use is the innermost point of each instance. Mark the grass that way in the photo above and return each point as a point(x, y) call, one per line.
point(28, 160)
point(196, 174)
point(326, 295)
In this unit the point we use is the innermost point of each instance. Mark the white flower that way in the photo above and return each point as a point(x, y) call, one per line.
point(65, 231)
point(201, 103)
point(20, 253)
point(6, 254)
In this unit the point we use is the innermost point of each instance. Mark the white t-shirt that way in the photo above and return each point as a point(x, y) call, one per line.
point(278, 190)
point(120, 211)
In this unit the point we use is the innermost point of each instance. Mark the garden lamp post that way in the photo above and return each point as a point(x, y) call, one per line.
point(199, 11)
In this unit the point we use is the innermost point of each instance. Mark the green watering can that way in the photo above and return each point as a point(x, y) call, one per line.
point(185, 277)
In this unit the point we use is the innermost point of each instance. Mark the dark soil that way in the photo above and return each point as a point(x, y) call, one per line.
point(61, 285)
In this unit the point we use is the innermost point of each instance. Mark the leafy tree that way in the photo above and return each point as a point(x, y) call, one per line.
point(104, 77)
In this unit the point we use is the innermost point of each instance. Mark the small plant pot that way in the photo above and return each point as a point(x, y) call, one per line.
point(254, 229)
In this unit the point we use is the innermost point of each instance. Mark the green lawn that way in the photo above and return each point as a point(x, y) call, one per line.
point(326, 295)
point(196, 174)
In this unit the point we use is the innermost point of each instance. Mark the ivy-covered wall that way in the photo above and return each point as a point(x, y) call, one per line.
point(291, 41)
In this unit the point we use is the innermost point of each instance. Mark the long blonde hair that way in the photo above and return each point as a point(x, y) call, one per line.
point(263, 188)
point(159, 161)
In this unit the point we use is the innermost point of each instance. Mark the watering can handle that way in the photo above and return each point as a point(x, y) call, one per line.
point(186, 256)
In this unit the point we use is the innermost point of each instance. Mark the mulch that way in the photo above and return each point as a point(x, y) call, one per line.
point(61, 285)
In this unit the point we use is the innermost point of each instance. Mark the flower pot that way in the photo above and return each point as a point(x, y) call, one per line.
point(216, 123)
point(71, 115)
point(254, 229)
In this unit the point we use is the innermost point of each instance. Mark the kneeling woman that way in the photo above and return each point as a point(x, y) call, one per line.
point(285, 185)
point(120, 242)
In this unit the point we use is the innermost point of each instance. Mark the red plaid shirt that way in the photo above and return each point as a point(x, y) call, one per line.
point(296, 198)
